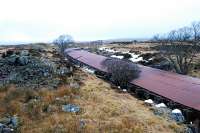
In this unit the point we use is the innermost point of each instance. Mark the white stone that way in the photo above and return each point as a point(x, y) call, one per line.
point(149, 101)
point(161, 105)
point(150, 59)
point(176, 111)
point(57, 98)
point(124, 90)
point(118, 57)
point(88, 70)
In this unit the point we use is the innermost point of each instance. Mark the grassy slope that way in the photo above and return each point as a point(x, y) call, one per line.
point(103, 110)
point(112, 111)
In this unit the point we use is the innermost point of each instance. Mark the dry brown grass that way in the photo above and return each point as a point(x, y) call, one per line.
point(103, 110)
point(119, 110)
point(142, 47)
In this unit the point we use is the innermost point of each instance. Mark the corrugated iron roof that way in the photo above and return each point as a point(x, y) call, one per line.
point(179, 88)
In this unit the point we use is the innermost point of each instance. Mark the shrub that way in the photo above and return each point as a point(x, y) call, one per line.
point(121, 71)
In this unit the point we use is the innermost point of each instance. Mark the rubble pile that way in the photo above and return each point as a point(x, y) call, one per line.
point(25, 68)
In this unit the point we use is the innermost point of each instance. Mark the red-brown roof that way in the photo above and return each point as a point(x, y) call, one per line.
point(179, 88)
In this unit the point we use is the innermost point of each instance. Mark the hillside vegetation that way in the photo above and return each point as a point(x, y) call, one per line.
point(95, 105)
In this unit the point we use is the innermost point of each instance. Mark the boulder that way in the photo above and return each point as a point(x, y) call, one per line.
point(14, 121)
point(23, 60)
point(5, 129)
point(177, 115)
point(10, 121)
point(12, 59)
point(162, 111)
point(5, 120)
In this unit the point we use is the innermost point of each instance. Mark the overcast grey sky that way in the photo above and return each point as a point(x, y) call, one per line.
point(44, 20)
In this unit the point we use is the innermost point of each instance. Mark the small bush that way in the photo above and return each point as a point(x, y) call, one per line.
point(121, 71)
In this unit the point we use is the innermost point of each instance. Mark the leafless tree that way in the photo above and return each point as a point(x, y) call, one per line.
point(180, 50)
point(196, 32)
point(63, 42)
point(156, 38)
point(121, 71)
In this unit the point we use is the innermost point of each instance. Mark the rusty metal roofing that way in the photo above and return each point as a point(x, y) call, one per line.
point(178, 88)
point(88, 58)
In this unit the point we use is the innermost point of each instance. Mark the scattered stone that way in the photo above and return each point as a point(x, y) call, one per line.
point(24, 53)
point(176, 111)
point(149, 102)
point(189, 130)
point(177, 115)
point(71, 108)
point(82, 123)
point(57, 98)
point(32, 69)
point(74, 85)
point(15, 121)
point(88, 70)
point(124, 90)
point(5, 120)
point(23, 60)
point(160, 105)
point(8, 124)
point(162, 111)
point(5, 129)
point(12, 59)
point(63, 71)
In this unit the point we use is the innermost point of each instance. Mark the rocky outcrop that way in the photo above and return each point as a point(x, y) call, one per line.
point(24, 68)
